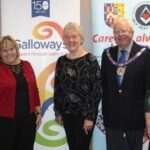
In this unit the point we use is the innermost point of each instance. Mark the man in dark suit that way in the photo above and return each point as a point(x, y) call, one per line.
point(125, 74)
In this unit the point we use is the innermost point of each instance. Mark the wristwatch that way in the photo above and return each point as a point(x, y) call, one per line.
point(38, 113)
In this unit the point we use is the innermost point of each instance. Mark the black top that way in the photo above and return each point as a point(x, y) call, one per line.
point(22, 98)
point(77, 86)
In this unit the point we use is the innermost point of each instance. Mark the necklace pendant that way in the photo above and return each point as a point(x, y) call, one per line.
point(121, 71)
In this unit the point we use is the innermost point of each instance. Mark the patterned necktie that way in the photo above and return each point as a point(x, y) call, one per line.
point(121, 60)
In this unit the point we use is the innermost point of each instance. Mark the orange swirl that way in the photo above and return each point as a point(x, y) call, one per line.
point(47, 31)
point(42, 79)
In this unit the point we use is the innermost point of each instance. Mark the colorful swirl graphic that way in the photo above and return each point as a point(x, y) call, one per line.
point(42, 79)
point(42, 31)
point(47, 100)
point(47, 131)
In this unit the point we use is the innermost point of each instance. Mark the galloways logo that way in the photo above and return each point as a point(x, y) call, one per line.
point(43, 32)
point(49, 134)
point(47, 32)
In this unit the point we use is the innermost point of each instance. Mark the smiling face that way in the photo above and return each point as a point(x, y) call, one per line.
point(8, 52)
point(123, 33)
point(72, 40)
point(72, 37)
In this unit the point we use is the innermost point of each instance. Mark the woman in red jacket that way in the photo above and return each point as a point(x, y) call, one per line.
point(19, 99)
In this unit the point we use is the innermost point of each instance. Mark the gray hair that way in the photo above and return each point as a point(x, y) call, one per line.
point(120, 20)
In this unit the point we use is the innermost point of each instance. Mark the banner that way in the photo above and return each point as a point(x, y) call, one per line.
point(103, 14)
point(37, 27)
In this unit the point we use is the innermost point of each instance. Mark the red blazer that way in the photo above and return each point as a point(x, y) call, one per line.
point(8, 89)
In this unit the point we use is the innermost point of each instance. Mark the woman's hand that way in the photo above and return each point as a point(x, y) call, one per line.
point(88, 125)
point(38, 120)
point(58, 119)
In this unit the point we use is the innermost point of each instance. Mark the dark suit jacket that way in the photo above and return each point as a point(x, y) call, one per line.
point(123, 107)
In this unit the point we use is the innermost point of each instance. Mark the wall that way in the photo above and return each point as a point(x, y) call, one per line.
point(86, 23)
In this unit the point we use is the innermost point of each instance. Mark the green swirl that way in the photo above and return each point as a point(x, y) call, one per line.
point(47, 142)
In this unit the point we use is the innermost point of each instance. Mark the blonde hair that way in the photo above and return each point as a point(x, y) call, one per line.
point(4, 41)
point(74, 26)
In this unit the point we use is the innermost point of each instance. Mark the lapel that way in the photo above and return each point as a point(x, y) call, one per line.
point(114, 55)
point(135, 48)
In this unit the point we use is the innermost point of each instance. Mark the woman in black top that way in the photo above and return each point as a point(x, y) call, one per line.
point(77, 89)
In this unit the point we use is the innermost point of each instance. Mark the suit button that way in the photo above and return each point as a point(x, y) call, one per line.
point(120, 91)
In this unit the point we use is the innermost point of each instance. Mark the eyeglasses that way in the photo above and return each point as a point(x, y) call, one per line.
point(123, 31)
point(68, 37)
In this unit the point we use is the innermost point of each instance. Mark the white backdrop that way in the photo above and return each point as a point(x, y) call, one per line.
point(43, 49)
point(103, 14)
point(37, 27)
